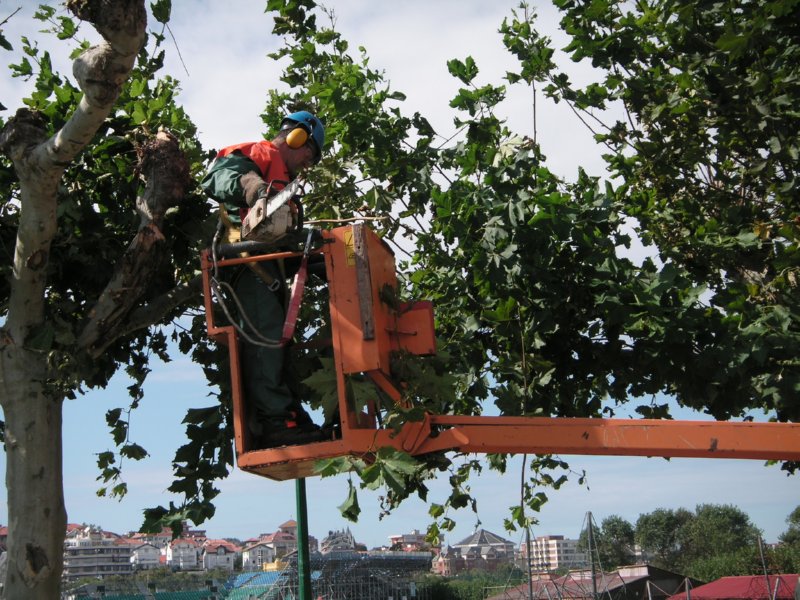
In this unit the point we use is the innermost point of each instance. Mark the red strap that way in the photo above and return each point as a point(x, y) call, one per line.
point(296, 296)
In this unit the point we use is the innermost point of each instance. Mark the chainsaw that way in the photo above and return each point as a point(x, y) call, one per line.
point(271, 219)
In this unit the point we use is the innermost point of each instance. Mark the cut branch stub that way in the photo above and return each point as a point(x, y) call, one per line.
point(166, 171)
point(100, 79)
point(25, 130)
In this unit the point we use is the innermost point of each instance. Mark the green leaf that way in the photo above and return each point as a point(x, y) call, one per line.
point(349, 508)
point(133, 451)
point(136, 87)
point(465, 71)
point(68, 28)
point(161, 10)
point(324, 384)
point(138, 115)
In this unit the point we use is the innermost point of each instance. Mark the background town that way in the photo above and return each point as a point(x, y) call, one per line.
point(666, 553)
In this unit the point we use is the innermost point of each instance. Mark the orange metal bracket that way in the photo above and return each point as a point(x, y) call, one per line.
point(368, 326)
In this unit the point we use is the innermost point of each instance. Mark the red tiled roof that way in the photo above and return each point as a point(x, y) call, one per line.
point(573, 585)
point(744, 587)
point(213, 545)
point(130, 541)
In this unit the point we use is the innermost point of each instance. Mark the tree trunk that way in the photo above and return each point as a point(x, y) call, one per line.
point(37, 517)
point(32, 409)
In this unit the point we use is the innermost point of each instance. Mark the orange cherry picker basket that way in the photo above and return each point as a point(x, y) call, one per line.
point(366, 330)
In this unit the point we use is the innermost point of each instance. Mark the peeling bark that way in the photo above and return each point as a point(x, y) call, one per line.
point(36, 511)
point(32, 411)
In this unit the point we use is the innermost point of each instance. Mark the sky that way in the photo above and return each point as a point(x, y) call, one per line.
point(225, 75)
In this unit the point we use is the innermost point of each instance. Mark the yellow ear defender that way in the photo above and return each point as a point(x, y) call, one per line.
point(297, 138)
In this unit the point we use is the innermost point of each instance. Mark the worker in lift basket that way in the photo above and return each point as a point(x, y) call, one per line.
point(239, 176)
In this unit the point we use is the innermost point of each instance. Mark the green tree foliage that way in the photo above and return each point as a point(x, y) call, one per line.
point(713, 541)
point(537, 311)
point(745, 561)
point(791, 537)
point(707, 155)
point(613, 542)
point(660, 535)
point(717, 529)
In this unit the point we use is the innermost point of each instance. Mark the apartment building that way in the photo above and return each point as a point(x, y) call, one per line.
point(256, 555)
point(551, 552)
point(92, 552)
point(448, 562)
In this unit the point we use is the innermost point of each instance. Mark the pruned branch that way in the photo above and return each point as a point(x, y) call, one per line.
point(158, 308)
point(153, 312)
point(166, 173)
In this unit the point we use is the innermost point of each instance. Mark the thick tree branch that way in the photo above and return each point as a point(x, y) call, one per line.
point(153, 312)
point(166, 172)
point(158, 308)
point(100, 72)
point(40, 162)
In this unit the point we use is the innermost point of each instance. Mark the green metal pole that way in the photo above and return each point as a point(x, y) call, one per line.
point(303, 567)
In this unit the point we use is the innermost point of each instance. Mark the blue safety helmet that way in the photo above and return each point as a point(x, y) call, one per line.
point(312, 125)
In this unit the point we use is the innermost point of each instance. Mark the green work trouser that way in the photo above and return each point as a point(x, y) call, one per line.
point(266, 395)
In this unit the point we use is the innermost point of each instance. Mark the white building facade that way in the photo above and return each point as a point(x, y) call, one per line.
point(551, 552)
point(145, 557)
point(254, 557)
point(183, 554)
point(218, 555)
point(91, 552)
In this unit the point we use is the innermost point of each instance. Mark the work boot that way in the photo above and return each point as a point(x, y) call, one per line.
point(301, 418)
point(293, 431)
point(290, 437)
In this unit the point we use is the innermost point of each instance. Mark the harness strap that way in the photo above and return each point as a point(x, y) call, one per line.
point(296, 295)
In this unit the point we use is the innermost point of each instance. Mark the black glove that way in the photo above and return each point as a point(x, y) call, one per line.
point(253, 186)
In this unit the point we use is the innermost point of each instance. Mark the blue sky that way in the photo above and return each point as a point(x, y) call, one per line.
point(224, 47)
